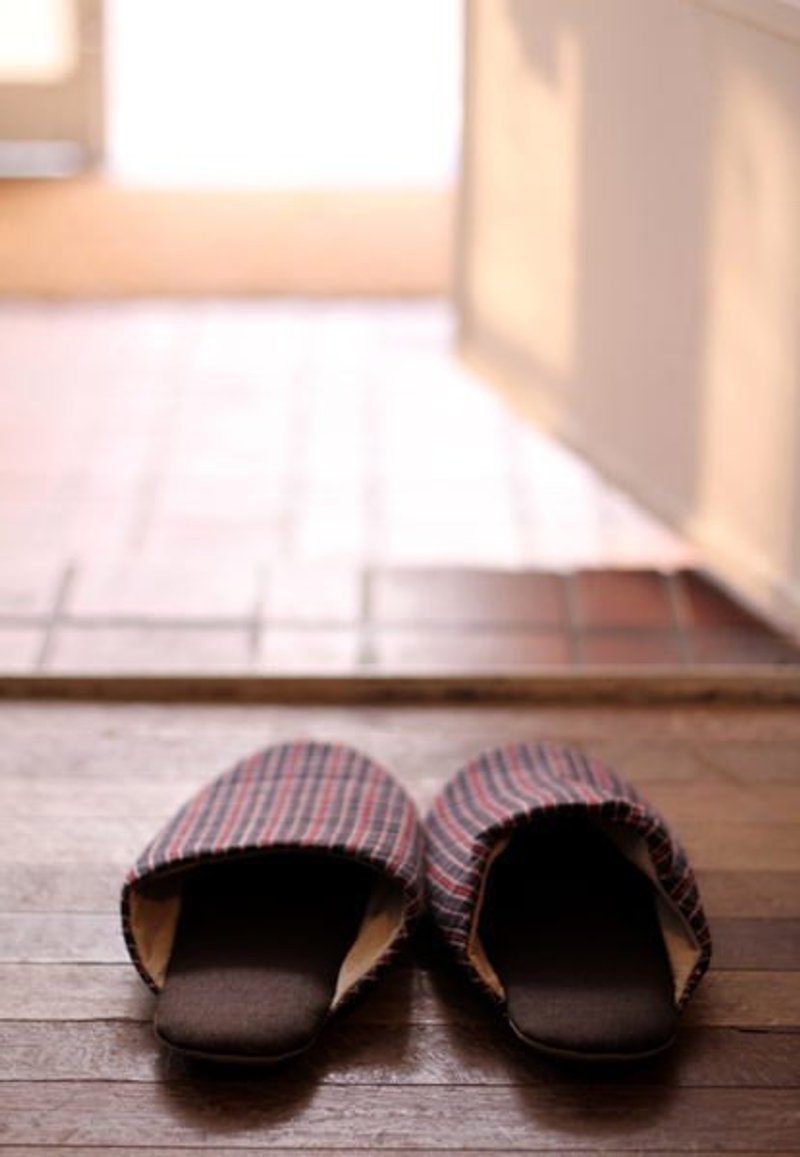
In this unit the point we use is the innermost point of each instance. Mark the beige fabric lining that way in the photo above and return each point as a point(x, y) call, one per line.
point(476, 954)
point(679, 939)
point(154, 919)
point(383, 920)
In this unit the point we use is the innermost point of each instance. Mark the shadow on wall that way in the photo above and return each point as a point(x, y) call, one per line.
point(632, 257)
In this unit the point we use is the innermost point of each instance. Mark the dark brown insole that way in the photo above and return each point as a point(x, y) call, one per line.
point(258, 949)
point(571, 928)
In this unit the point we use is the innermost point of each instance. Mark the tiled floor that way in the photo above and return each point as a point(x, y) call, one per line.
point(255, 486)
point(335, 620)
point(226, 434)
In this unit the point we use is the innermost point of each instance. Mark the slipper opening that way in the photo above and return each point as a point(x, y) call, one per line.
point(251, 952)
point(573, 931)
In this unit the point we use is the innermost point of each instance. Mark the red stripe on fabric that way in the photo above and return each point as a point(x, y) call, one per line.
point(474, 777)
point(458, 832)
point(253, 829)
point(526, 785)
point(173, 848)
point(586, 792)
point(449, 883)
point(283, 795)
point(517, 795)
point(348, 789)
point(589, 792)
point(325, 798)
point(600, 770)
point(367, 806)
point(290, 830)
point(558, 762)
point(682, 889)
point(237, 803)
point(404, 842)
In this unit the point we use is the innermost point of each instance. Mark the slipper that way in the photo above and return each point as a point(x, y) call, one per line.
point(567, 899)
point(270, 898)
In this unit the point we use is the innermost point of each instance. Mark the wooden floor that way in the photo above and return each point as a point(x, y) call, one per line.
point(420, 1064)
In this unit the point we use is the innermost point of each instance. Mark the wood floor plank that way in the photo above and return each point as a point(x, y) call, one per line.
point(752, 761)
point(96, 938)
point(104, 741)
point(666, 759)
point(64, 992)
point(259, 1151)
point(741, 893)
point(736, 803)
point(68, 841)
point(756, 943)
point(55, 797)
point(72, 992)
point(65, 888)
point(48, 938)
point(757, 847)
point(94, 888)
point(162, 763)
point(719, 846)
point(352, 1052)
point(747, 1000)
point(607, 1118)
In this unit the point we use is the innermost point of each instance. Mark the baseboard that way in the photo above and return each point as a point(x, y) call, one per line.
point(91, 238)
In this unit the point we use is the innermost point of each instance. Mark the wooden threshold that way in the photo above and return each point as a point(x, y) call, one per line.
point(756, 684)
point(91, 238)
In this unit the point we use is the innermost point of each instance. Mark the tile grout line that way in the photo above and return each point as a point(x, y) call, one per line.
point(63, 591)
point(151, 482)
point(677, 605)
point(522, 511)
point(258, 623)
point(573, 629)
point(21, 621)
point(294, 486)
point(210, 624)
point(366, 656)
point(374, 504)
point(156, 622)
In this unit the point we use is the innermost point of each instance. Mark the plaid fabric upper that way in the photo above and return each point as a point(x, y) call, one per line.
point(504, 789)
point(297, 795)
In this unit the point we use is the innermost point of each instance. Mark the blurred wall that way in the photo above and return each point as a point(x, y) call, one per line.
point(630, 254)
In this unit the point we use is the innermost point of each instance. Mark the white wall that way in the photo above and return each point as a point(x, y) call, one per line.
point(631, 254)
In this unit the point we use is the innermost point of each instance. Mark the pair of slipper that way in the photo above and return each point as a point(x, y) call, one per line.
point(287, 883)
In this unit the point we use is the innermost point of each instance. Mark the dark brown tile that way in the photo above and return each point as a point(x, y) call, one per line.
point(739, 647)
point(418, 597)
point(622, 598)
point(701, 603)
point(626, 648)
point(466, 652)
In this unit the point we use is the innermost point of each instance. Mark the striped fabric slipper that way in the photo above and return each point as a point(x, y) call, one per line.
point(270, 898)
point(568, 900)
